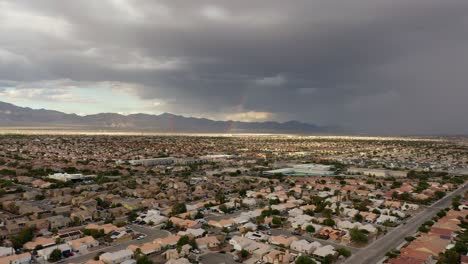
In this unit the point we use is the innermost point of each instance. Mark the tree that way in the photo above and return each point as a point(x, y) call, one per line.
point(461, 247)
point(168, 225)
point(358, 236)
point(456, 202)
point(260, 220)
point(448, 257)
point(143, 260)
point(329, 222)
point(198, 215)
point(276, 221)
point(178, 208)
point(220, 198)
point(305, 260)
point(344, 252)
point(423, 229)
point(94, 233)
point(329, 259)
point(223, 208)
point(242, 193)
point(183, 240)
point(244, 253)
point(358, 217)
point(132, 216)
point(25, 235)
point(310, 229)
point(56, 255)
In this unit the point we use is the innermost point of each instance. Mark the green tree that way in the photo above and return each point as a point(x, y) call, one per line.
point(276, 221)
point(223, 208)
point(329, 222)
point(244, 253)
point(448, 257)
point(168, 225)
point(344, 252)
point(25, 235)
point(310, 229)
point(142, 259)
point(358, 236)
point(220, 198)
point(179, 208)
point(132, 216)
point(304, 260)
point(423, 229)
point(56, 255)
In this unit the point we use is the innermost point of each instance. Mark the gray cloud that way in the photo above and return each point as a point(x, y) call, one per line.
point(374, 66)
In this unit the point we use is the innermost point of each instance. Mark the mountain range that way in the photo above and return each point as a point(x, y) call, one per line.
point(15, 116)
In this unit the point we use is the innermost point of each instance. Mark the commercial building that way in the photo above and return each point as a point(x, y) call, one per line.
point(310, 169)
point(149, 162)
point(378, 172)
point(65, 177)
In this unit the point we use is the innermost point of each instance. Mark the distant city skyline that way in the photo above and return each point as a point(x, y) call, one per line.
point(393, 67)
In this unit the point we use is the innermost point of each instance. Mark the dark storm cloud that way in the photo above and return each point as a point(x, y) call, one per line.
point(374, 66)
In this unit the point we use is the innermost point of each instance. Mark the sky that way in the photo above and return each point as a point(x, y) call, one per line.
point(371, 66)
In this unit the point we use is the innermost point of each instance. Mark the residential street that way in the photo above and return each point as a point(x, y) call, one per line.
point(377, 250)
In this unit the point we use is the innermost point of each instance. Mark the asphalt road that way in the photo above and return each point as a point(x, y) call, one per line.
point(376, 251)
point(151, 234)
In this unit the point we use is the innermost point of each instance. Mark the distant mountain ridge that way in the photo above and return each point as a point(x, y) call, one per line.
point(15, 116)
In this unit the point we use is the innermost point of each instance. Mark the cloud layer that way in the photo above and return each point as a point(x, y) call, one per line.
point(374, 66)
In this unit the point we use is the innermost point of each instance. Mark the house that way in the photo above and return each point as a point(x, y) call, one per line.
point(152, 216)
point(304, 246)
point(258, 250)
point(39, 242)
point(116, 257)
point(329, 232)
point(425, 247)
point(68, 236)
point(248, 227)
point(83, 244)
point(324, 251)
point(409, 206)
point(256, 236)
point(23, 258)
point(108, 228)
point(45, 252)
point(198, 232)
point(300, 220)
point(184, 223)
point(6, 251)
point(295, 212)
point(207, 242)
point(147, 248)
point(384, 218)
point(278, 257)
point(121, 236)
point(58, 221)
point(224, 223)
point(281, 240)
point(170, 241)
